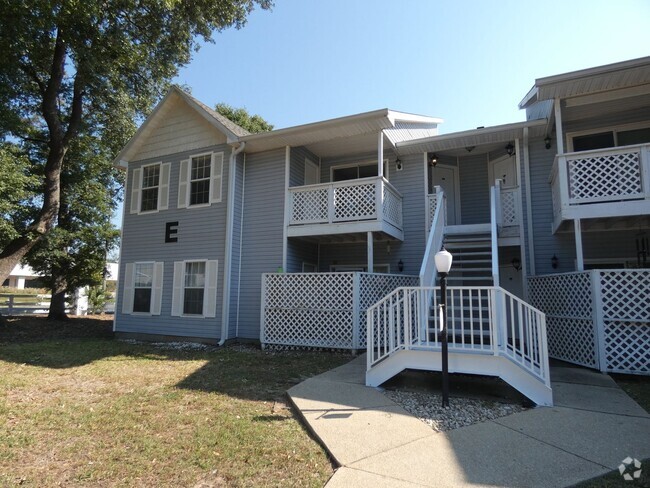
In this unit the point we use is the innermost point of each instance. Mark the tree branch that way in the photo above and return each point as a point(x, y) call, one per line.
point(31, 72)
point(50, 96)
point(77, 107)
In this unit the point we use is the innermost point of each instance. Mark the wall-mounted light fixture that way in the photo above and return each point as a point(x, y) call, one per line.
point(554, 261)
point(388, 247)
point(469, 148)
point(510, 149)
point(433, 160)
point(400, 265)
point(516, 263)
point(547, 142)
point(398, 164)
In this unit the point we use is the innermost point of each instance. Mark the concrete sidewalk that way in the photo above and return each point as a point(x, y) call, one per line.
point(593, 426)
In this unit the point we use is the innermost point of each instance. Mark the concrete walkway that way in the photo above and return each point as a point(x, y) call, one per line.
point(593, 426)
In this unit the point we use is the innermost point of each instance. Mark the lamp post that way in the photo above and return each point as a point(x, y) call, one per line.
point(443, 259)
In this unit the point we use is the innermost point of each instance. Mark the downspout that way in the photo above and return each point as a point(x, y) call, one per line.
point(227, 265)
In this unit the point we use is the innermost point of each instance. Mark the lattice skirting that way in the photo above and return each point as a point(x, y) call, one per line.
point(627, 347)
point(322, 328)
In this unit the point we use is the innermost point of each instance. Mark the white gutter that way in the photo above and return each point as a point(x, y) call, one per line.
point(227, 265)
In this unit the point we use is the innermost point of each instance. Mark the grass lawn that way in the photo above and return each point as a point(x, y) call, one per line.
point(97, 412)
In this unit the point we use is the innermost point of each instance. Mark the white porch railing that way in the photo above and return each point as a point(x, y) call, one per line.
point(495, 223)
point(600, 176)
point(598, 318)
point(346, 201)
point(322, 309)
point(438, 221)
point(394, 324)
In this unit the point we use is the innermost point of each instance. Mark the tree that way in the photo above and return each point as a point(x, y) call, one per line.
point(103, 64)
point(241, 117)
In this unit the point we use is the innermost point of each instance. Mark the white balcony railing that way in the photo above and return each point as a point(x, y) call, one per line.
point(600, 176)
point(346, 201)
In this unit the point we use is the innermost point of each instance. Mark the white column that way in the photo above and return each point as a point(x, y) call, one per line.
point(371, 265)
point(380, 154)
point(20, 282)
point(580, 262)
point(558, 127)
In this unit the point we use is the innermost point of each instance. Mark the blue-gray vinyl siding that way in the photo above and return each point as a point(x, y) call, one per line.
point(236, 246)
point(201, 236)
point(263, 223)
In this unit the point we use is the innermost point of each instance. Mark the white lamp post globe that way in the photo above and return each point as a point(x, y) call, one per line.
point(443, 261)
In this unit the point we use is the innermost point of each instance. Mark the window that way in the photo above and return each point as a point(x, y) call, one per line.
point(357, 170)
point(150, 188)
point(199, 181)
point(143, 283)
point(150, 182)
point(621, 136)
point(194, 288)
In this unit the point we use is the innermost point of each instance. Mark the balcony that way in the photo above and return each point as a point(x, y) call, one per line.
point(601, 183)
point(345, 207)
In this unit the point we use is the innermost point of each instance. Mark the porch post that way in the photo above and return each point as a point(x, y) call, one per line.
point(371, 266)
point(380, 154)
point(580, 262)
point(558, 126)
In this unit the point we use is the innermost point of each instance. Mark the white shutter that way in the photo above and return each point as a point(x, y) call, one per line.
point(127, 294)
point(177, 295)
point(210, 295)
point(216, 173)
point(156, 287)
point(183, 178)
point(135, 191)
point(163, 187)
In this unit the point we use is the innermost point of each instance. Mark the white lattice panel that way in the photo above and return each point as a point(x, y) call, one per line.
point(309, 206)
point(626, 295)
point(604, 177)
point(572, 340)
point(509, 214)
point(431, 210)
point(355, 202)
point(566, 295)
point(627, 347)
point(392, 207)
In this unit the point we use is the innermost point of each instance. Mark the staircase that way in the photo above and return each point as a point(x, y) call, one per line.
point(490, 331)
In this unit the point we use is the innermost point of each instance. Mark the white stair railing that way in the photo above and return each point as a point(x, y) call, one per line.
point(495, 214)
point(434, 241)
point(395, 323)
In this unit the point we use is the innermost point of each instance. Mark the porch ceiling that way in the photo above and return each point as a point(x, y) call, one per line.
point(484, 140)
point(620, 223)
point(349, 238)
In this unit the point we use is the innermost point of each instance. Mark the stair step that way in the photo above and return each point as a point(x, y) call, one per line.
point(468, 229)
point(467, 245)
point(459, 259)
point(457, 239)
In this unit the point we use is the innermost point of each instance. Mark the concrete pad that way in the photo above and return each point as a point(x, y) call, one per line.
point(602, 438)
point(596, 398)
point(351, 435)
point(352, 372)
point(581, 376)
point(321, 394)
point(485, 454)
point(347, 477)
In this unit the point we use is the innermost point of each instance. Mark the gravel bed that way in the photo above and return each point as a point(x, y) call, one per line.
point(461, 411)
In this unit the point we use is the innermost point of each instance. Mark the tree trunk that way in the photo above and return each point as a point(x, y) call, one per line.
point(57, 304)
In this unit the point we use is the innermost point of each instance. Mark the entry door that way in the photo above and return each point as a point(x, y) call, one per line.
point(505, 169)
point(445, 176)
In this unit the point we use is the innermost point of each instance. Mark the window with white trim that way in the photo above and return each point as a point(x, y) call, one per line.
point(143, 283)
point(356, 171)
point(195, 288)
point(627, 135)
point(199, 182)
point(150, 188)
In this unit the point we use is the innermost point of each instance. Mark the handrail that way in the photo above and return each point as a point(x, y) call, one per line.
point(495, 210)
point(434, 241)
point(343, 183)
point(492, 320)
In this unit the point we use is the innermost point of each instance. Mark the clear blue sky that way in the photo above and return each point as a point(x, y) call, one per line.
point(468, 62)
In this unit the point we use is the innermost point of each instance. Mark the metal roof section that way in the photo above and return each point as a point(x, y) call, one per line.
point(231, 130)
point(406, 131)
point(614, 76)
point(321, 137)
point(486, 136)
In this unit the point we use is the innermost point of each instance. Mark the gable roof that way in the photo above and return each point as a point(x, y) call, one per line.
point(614, 76)
point(222, 124)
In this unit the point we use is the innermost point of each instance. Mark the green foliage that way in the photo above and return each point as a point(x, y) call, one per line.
point(241, 117)
point(98, 297)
